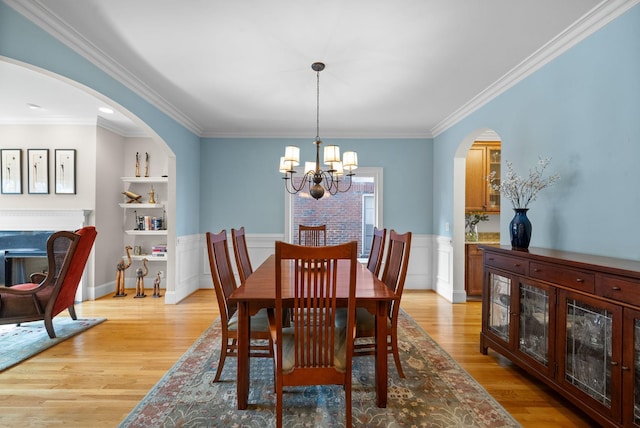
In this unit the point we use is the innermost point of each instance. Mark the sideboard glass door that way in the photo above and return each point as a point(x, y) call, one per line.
point(535, 318)
point(499, 322)
point(592, 354)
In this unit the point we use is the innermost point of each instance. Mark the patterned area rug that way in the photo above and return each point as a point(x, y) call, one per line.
point(17, 343)
point(436, 392)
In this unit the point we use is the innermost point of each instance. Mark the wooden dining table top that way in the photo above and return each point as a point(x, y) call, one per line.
point(259, 287)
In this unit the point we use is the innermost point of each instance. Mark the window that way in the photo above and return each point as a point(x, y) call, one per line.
point(348, 216)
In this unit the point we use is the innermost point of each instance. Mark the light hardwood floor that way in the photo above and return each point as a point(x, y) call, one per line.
point(96, 378)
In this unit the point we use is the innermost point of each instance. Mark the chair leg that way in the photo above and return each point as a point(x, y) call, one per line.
point(72, 312)
point(347, 400)
point(223, 356)
point(396, 354)
point(48, 323)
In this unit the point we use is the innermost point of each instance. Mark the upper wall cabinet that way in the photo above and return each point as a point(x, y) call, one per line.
point(483, 158)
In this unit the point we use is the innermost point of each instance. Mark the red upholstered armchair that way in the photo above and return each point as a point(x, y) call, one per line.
point(51, 293)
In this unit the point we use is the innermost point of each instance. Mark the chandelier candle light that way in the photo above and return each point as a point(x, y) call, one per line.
point(319, 180)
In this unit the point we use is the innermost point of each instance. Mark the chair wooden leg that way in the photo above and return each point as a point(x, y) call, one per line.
point(72, 312)
point(347, 400)
point(223, 356)
point(48, 323)
point(396, 354)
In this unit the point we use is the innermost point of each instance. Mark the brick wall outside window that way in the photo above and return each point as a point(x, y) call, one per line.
point(342, 213)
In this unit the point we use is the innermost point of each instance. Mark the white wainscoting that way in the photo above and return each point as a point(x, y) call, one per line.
point(187, 268)
point(444, 272)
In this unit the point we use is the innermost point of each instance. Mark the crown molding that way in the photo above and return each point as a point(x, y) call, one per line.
point(592, 21)
point(40, 15)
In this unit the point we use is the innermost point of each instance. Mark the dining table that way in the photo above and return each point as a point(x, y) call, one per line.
point(258, 292)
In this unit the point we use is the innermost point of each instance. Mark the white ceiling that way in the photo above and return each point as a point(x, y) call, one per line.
point(401, 68)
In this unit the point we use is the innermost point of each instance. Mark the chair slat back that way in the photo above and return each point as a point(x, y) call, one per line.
point(377, 250)
point(224, 281)
point(241, 253)
point(314, 236)
point(314, 286)
point(396, 264)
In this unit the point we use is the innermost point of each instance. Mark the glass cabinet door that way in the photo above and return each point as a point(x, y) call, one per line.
point(493, 156)
point(631, 368)
point(535, 322)
point(499, 316)
point(589, 356)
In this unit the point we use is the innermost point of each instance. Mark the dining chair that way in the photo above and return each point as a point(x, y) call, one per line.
point(394, 274)
point(312, 235)
point(377, 250)
point(224, 283)
point(313, 350)
point(241, 253)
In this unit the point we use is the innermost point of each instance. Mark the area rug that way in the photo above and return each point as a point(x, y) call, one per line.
point(436, 392)
point(17, 343)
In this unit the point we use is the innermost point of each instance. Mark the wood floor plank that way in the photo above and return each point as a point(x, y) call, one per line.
point(96, 378)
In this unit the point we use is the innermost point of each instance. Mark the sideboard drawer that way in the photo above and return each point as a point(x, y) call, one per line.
point(511, 264)
point(574, 278)
point(619, 288)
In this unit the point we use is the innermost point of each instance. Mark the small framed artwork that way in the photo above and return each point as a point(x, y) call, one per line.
point(11, 164)
point(65, 163)
point(38, 170)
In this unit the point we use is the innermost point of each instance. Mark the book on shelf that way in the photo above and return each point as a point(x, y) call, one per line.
point(159, 250)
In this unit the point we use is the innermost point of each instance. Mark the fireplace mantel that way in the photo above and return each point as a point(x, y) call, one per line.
point(43, 219)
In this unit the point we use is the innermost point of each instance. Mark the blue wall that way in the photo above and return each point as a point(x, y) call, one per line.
point(252, 192)
point(583, 111)
point(23, 41)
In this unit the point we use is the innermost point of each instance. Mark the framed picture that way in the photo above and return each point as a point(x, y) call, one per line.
point(38, 170)
point(11, 164)
point(65, 163)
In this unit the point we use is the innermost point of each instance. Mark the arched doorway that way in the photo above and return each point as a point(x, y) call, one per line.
point(27, 81)
point(459, 207)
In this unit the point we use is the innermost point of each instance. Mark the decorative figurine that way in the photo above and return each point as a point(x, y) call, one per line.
point(133, 197)
point(146, 168)
point(156, 285)
point(121, 267)
point(140, 274)
point(137, 164)
point(152, 196)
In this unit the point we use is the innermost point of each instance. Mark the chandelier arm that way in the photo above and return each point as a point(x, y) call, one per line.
point(303, 181)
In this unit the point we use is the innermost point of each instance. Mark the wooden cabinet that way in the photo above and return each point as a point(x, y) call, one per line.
point(564, 318)
point(482, 159)
point(473, 270)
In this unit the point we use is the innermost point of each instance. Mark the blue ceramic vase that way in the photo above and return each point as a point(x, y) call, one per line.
point(520, 229)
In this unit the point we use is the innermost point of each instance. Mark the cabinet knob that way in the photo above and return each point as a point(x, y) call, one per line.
point(625, 368)
point(614, 363)
point(579, 280)
point(615, 288)
point(536, 270)
point(516, 264)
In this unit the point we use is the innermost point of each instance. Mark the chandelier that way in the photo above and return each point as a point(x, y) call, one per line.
point(338, 176)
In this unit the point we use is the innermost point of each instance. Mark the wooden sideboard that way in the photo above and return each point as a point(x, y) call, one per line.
point(570, 319)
